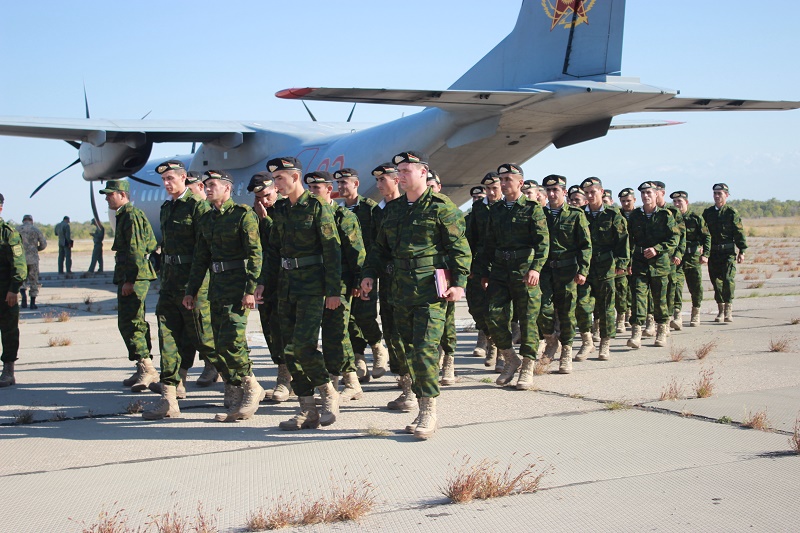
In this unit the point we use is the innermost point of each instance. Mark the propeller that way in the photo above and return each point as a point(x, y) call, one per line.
point(45, 182)
point(310, 114)
point(350, 116)
point(94, 205)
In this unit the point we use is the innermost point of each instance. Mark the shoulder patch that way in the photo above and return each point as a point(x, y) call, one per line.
point(327, 231)
point(17, 250)
point(370, 202)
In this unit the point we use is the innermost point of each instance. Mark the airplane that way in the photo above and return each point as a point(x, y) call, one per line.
point(555, 79)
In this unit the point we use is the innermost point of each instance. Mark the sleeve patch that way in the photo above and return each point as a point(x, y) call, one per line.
point(17, 249)
point(327, 230)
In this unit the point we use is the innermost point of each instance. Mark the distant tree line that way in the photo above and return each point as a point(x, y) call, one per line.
point(78, 230)
point(756, 208)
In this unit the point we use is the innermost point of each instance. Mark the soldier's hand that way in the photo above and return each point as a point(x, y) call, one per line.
point(259, 294)
point(127, 288)
point(11, 299)
point(532, 279)
point(356, 292)
point(259, 208)
point(703, 260)
point(332, 302)
point(249, 301)
point(580, 279)
point(649, 253)
point(676, 261)
point(630, 270)
point(188, 302)
point(620, 272)
point(366, 286)
point(740, 257)
point(484, 283)
point(454, 294)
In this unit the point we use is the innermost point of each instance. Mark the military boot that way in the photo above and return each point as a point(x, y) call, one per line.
point(636, 337)
point(229, 396)
point(677, 320)
point(605, 349)
point(649, 327)
point(720, 312)
point(330, 404)
point(426, 425)
point(252, 394)
point(596, 330)
point(413, 425)
point(565, 362)
point(306, 418)
point(551, 347)
point(352, 388)
point(7, 377)
point(407, 400)
point(587, 346)
point(166, 407)
point(33, 303)
point(491, 353)
point(24, 295)
point(448, 371)
point(695, 317)
point(499, 363)
point(621, 323)
point(516, 334)
point(628, 314)
point(283, 387)
point(441, 356)
point(128, 382)
point(512, 363)
point(480, 346)
point(180, 390)
point(525, 381)
point(361, 368)
point(147, 375)
point(380, 360)
point(661, 335)
point(729, 312)
point(234, 394)
point(209, 376)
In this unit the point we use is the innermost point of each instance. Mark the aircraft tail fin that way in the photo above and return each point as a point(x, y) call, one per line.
point(553, 40)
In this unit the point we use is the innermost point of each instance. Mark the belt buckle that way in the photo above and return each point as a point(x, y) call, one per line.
point(505, 254)
point(216, 267)
point(389, 268)
point(287, 264)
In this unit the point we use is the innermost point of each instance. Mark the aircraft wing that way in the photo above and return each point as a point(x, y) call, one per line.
point(720, 104)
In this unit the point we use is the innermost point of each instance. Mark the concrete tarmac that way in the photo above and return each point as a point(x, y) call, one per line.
point(617, 457)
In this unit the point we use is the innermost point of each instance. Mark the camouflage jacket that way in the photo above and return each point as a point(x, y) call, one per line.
point(725, 227)
point(133, 241)
point(33, 242)
point(678, 216)
point(305, 230)
point(697, 236)
point(520, 233)
point(369, 216)
point(417, 239)
point(569, 237)
point(610, 250)
point(660, 232)
point(13, 267)
point(226, 235)
point(180, 224)
point(353, 253)
point(477, 222)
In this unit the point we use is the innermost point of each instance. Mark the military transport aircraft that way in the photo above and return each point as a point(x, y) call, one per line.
point(555, 79)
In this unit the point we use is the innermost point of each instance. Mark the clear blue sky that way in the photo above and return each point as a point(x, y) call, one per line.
point(225, 60)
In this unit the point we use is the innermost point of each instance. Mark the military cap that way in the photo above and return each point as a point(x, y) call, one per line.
point(478, 189)
point(345, 173)
point(588, 182)
point(2, 199)
point(575, 189)
point(259, 181)
point(608, 194)
point(554, 180)
point(433, 176)
point(720, 187)
point(648, 185)
point(384, 168)
point(679, 194)
point(660, 185)
point(510, 168)
point(529, 184)
point(193, 177)
point(409, 157)
point(216, 175)
point(490, 177)
point(320, 176)
point(27, 217)
point(284, 163)
point(627, 191)
point(172, 164)
point(116, 186)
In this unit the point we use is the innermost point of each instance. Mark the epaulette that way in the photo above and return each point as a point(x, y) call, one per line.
point(443, 198)
point(166, 202)
point(245, 206)
point(370, 202)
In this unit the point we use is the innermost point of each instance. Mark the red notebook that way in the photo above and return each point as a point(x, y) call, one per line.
point(442, 281)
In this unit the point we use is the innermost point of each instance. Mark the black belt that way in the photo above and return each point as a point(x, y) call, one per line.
point(291, 263)
point(723, 247)
point(512, 254)
point(411, 264)
point(177, 259)
point(124, 258)
point(602, 256)
point(555, 263)
point(638, 249)
point(691, 249)
point(222, 266)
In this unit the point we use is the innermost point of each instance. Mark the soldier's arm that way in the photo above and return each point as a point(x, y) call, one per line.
point(541, 239)
point(738, 233)
point(706, 237)
point(251, 240)
point(583, 239)
point(378, 256)
point(671, 237)
point(331, 249)
point(201, 258)
point(19, 266)
point(680, 250)
point(456, 245)
point(353, 248)
point(484, 255)
point(622, 251)
point(42, 241)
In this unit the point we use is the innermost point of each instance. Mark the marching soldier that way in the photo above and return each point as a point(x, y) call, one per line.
point(13, 271)
point(622, 288)
point(422, 232)
point(727, 234)
point(228, 245)
point(134, 241)
point(33, 242)
point(698, 246)
point(676, 322)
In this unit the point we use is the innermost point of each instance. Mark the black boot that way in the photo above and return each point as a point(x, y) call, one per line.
point(24, 295)
point(33, 303)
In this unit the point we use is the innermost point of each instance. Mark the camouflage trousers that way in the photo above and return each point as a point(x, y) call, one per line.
point(271, 327)
point(182, 332)
point(526, 301)
point(133, 327)
point(672, 283)
point(32, 281)
point(301, 317)
point(229, 324)
point(602, 292)
point(559, 296)
point(478, 303)
point(397, 363)
point(722, 271)
point(363, 325)
point(421, 328)
point(676, 289)
point(9, 331)
point(336, 347)
point(97, 257)
point(622, 294)
point(584, 308)
point(693, 273)
point(647, 286)
point(449, 341)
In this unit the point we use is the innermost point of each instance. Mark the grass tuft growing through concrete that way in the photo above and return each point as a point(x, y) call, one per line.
point(484, 480)
point(59, 341)
point(757, 420)
point(780, 345)
point(672, 391)
point(704, 387)
point(676, 354)
point(703, 351)
point(794, 438)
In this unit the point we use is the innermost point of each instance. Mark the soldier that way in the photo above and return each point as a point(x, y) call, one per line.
point(608, 197)
point(654, 235)
point(727, 234)
point(541, 195)
point(622, 288)
point(195, 184)
point(336, 346)
point(513, 254)
point(305, 260)
point(422, 232)
point(576, 196)
point(62, 231)
point(13, 271)
point(676, 321)
point(567, 267)
point(33, 242)
point(364, 328)
point(585, 303)
point(133, 243)
point(478, 194)
point(181, 331)
point(610, 257)
point(98, 235)
point(531, 190)
point(698, 247)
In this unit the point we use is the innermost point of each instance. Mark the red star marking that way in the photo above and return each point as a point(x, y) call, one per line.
point(565, 6)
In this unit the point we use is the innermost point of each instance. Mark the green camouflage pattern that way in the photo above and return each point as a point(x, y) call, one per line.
point(180, 223)
point(698, 244)
point(133, 327)
point(725, 227)
point(267, 311)
point(13, 271)
point(477, 302)
point(363, 325)
point(133, 242)
point(33, 242)
point(300, 317)
point(420, 330)
point(229, 325)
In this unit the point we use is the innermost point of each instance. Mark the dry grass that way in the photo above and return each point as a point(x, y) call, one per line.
point(704, 387)
point(484, 480)
point(63, 316)
point(135, 407)
point(108, 523)
point(58, 415)
point(280, 515)
point(755, 285)
point(175, 522)
point(794, 320)
point(59, 341)
point(781, 345)
point(44, 331)
point(542, 366)
point(374, 431)
point(24, 416)
point(88, 299)
point(794, 439)
point(672, 391)
point(618, 405)
point(48, 317)
point(676, 354)
point(703, 351)
point(757, 420)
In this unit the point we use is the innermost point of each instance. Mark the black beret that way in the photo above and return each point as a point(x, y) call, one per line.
point(660, 185)
point(260, 181)
point(433, 176)
point(555, 180)
point(216, 175)
point(172, 164)
point(320, 176)
point(720, 187)
point(679, 194)
point(510, 168)
point(607, 193)
point(384, 168)
point(588, 182)
point(2, 199)
point(490, 177)
point(193, 177)
point(627, 191)
point(345, 173)
point(648, 185)
point(575, 189)
point(478, 189)
point(409, 157)
point(284, 163)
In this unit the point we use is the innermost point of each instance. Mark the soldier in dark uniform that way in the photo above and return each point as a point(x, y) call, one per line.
point(585, 304)
point(98, 235)
point(627, 202)
point(698, 247)
point(608, 197)
point(13, 271)
point(727, 234)
point(228, 245)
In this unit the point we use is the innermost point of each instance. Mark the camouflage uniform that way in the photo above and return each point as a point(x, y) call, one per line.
point(477, 301)
point(305, 258)
point(33, 242)
point(228, 244)
point(516, 241)
point(697, 237)
point(13, 271)
point(182, 331)
point(675, 272)
point(416, 239)
point(62, 231)
point(398, 364)
point(133, 242)
point(268, 311)
point(727, 234)
point(97, 251)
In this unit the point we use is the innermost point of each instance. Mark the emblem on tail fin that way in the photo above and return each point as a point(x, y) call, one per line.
point(568, 13)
